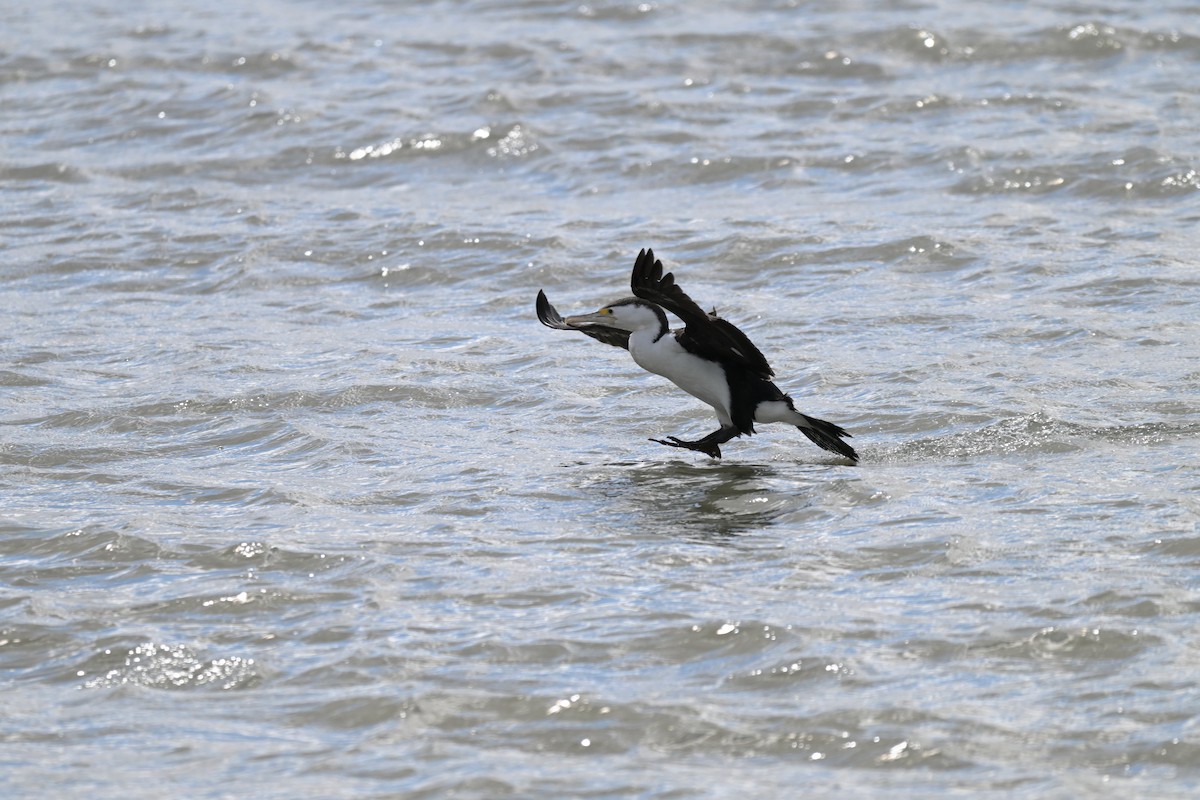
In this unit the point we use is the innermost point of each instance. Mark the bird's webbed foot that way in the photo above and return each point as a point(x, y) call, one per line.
point(705, 446)
point(709, 445)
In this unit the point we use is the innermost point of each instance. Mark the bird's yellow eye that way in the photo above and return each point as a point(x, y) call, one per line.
point(606, 311)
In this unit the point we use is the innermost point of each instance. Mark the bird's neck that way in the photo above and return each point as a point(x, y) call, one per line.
point(663, 328)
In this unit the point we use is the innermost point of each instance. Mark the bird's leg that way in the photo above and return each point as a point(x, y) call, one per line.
point(709, 445)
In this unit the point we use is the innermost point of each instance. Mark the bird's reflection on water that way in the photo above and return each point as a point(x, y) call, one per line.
point(697, 500)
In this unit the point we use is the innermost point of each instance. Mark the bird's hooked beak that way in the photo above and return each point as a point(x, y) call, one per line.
point(595, 318)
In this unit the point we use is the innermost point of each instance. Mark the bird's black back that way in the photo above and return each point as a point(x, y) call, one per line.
point(706, 335)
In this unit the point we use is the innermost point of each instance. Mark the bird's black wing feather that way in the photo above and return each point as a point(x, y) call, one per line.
point(707, 335)
point(549, 316)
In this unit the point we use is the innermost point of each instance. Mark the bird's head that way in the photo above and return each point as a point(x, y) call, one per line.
point(629, 314)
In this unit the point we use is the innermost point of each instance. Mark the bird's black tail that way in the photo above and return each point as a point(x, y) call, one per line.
point(827, 436)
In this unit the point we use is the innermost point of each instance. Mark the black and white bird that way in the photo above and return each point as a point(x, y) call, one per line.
point(709, 358)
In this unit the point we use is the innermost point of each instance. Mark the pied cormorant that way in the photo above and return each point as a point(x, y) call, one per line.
point(708, 358)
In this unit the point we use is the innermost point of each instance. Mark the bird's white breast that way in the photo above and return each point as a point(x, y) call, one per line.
point(696, 376)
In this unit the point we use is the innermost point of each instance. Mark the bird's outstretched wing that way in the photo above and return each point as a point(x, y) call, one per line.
point(549, 316)
point(707, 335)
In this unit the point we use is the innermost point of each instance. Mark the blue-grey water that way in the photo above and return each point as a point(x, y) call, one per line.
point(298, 499)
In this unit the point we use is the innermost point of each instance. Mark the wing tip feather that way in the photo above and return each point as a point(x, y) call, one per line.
point(547, 314)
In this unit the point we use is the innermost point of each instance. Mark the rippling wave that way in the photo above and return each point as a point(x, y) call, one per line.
point(299, 498)
point(1038, 433)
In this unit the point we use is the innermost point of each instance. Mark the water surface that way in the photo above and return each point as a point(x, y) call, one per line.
point(298, 499)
